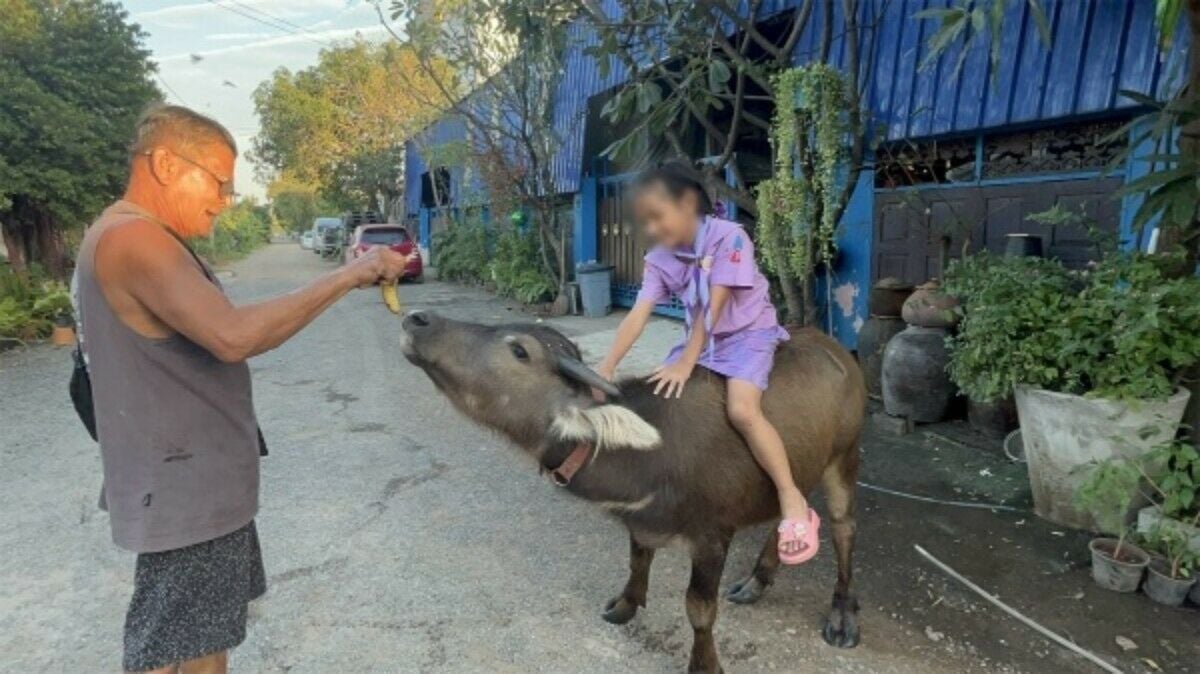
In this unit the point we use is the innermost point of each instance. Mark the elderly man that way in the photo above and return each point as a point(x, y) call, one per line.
point(167, 353)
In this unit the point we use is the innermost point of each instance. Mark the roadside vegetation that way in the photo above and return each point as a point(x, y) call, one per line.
point(239, 230)
point(505, 259)
point(29, 304)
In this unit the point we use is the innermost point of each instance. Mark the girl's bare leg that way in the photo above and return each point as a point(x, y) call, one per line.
point(745, 413)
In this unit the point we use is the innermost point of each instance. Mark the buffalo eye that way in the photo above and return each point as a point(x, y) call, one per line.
point(519, 352)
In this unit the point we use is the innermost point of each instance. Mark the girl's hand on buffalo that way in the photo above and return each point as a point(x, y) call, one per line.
point(671, 379)
point(608, 372)
point(379, 264)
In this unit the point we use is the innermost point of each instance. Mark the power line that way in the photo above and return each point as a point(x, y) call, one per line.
point(272, 17)
point(171, 89)
point(269, 24)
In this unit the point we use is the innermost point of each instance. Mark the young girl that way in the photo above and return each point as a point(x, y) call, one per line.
point(731, 326)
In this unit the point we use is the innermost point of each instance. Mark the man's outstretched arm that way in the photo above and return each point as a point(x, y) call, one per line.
point(146, 265)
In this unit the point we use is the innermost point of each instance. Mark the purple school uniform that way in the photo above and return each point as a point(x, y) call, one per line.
point(742, 341)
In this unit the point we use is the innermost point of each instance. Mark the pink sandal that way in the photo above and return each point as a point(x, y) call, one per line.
point(793, 530)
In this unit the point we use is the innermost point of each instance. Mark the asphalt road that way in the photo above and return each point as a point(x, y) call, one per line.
point(399, 537)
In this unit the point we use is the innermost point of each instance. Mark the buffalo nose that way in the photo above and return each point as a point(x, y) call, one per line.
point(416, 319)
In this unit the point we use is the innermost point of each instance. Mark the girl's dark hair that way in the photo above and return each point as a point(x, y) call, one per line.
point(677, 178)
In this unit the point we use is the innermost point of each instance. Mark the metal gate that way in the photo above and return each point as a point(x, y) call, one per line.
point(621, 244)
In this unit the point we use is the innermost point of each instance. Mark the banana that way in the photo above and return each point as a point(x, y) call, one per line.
point(390, 297)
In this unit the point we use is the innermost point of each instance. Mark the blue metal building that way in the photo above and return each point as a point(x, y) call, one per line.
point(962, 158)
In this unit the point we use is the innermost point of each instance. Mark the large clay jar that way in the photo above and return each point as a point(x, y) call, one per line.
point(887, 297)
point(915, 383)
point(929, 307)
point(872, 340)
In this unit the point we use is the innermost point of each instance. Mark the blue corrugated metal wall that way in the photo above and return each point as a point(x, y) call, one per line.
point(1099, 47)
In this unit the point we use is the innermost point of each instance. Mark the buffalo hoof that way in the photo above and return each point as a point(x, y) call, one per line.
point(746, 591)
point(841, 626)
point(619, 611)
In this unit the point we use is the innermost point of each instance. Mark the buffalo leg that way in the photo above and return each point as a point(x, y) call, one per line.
point(841, 626)
point(751, 588)
point(624, 606)
point(708, 561)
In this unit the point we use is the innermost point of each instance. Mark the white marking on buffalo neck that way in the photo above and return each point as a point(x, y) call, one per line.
point(625, 506)
point(608, 426)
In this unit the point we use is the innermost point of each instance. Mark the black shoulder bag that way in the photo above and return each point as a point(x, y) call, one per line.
point(81, 392)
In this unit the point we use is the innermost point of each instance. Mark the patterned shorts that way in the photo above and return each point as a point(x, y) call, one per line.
point(191, 602)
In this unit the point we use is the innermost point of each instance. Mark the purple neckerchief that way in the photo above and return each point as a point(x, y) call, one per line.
point(698, 289)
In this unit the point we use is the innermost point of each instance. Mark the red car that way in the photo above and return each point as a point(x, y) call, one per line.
point(393, 236)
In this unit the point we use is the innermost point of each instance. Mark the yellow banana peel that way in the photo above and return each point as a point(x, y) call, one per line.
point(390, 297)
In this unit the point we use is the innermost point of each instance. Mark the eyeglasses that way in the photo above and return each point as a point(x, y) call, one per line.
point(224, 185)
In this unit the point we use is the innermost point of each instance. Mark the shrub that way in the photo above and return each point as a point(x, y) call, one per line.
point(1122, 330)
point(29, 305)
point(1008, 307)
point(1107, 492)
point(466, 252)
point(237, 232)
point(460, 252)
point(517, 268)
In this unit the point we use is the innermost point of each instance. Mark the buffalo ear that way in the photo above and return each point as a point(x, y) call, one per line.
point(608, 426)
point(577, 371)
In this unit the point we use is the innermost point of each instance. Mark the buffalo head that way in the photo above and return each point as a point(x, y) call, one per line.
point(526, 381)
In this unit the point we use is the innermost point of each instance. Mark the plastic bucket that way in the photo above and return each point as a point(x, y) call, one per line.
point(595, 288)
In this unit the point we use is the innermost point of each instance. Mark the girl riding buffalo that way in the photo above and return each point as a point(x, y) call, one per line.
point(732, 329)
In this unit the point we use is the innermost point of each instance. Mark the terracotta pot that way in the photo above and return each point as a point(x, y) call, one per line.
point(929, 307)
point(63, 336)
point(887, 297)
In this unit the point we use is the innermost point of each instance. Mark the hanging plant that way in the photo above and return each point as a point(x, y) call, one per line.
point(798, 205)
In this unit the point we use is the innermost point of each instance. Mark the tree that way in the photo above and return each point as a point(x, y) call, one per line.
point(505, 59)
point(74, 76)
point(295, 204)
point(341, 124)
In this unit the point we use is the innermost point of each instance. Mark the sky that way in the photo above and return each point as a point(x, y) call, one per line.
point(213, 53)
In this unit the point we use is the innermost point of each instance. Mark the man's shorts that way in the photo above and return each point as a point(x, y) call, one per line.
point(191, 602)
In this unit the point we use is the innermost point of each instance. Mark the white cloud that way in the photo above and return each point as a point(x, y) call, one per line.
point(229, 37)
point(282, 8)
point(280, 40)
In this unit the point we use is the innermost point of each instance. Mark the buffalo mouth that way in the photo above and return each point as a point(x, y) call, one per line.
point(407, 347)
point(411, 328)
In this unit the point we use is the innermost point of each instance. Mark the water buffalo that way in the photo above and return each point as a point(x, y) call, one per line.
point(670, 470)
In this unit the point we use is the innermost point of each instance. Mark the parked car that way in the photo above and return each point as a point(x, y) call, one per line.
point(395, 237)
point(306, 240)
point(320, 231)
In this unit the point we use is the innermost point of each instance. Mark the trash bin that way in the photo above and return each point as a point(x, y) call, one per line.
point(595, 285)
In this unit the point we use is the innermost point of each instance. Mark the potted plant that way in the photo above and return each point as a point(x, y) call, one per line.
point(1170, 577)
point(1093, 359)
point(1174, 478)
point(55, 305)
point(1106, 493)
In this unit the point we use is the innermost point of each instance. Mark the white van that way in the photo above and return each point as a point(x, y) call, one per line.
point(320, 225)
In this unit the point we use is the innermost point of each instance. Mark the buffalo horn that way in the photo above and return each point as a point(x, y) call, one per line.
point(583, 374)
